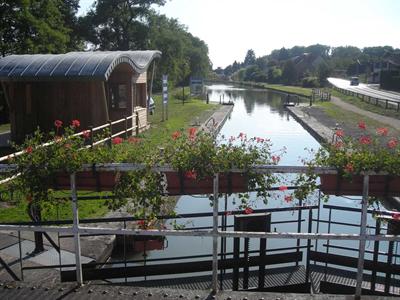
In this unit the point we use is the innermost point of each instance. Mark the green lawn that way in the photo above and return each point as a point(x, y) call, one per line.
point(351, 118)
point(290, 89)
point(179, 117)
point(4, 127)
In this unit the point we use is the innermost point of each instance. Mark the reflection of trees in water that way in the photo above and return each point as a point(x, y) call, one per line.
point(252, 97)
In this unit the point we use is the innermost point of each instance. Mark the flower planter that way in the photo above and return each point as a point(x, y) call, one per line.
point(148, 243)
point(178, 184)
point(379, 185)
point(87, 180)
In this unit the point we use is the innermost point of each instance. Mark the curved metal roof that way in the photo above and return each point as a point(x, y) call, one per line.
point(95, 65)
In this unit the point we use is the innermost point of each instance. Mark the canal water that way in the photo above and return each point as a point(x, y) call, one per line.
point(260, 113)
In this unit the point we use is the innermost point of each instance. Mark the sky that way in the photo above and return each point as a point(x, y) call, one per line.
point(231, 27)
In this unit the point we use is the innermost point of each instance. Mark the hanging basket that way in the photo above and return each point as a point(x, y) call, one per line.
point(178, 184)
point(379, 185)
point(87, 180)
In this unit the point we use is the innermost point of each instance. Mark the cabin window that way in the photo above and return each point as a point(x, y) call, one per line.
point(119, 96)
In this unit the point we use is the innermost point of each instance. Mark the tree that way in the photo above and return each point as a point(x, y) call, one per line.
point(250, 58)
point(118, 24)
point(289, 74)
point(33, 26)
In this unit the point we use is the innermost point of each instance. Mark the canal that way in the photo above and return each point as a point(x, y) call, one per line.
point(260, 113)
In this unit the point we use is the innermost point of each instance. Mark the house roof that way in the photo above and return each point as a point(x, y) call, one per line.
point(93, 65)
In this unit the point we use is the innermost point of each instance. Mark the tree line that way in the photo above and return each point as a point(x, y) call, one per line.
point(53, 26)
point(307, 66)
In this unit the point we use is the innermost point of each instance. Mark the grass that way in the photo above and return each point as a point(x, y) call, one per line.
point(4, 127)
point(365, 105)
point(179, 117)
point(351, 119)
point(301, 91)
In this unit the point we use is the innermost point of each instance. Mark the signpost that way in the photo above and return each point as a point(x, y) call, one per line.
point(165, 97)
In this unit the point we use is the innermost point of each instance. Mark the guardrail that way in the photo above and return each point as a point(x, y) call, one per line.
point(109, 125)
point(371, 99)
point(215, 233)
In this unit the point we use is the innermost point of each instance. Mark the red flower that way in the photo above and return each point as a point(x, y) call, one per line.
point(349, 168)
point(29, 149)
point(362, 125)
point(288, 198)
point(141, 224)
point(248, 210)
point(260, 140)
point(75, 123)
point(191, 175)
point(396, 216)
point(339, 133)
point(192, 133)
point(276, 159)
point(338, 145)
point(382, 131)
point(86, 134)
point(283, 188)
point(392, 143)
point(58, 123)
point(117, 140)
point(176, 135)
point(365, 140)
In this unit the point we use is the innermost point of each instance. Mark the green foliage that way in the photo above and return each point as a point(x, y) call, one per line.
point(310, 82)
point(33, 26)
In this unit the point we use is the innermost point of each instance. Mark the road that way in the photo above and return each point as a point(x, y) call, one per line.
point(365, 89)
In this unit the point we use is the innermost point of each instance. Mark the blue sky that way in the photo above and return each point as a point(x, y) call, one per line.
point(231, 27)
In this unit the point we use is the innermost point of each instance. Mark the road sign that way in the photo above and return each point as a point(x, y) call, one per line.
point(165, 96)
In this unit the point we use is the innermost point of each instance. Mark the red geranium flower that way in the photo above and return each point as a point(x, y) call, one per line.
point(365, 140)
point(288, 198)
point(396, 216)
point(58, 123)
point(75, 123)
point(86, 134)
point(338, 145)
point(117, 140)
point(392, 143)
point(141, 224)
point(248, 210)
point(276, 158)
point(192, 133)
point(283, 188)
point(191, 175)
point(349, 168)
point(339, 133)
point(176, 135)
point(382, 131)
point(362, 125)
point(29, 149)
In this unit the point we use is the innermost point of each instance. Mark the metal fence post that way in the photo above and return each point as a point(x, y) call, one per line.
point(363, 232)
point(215, 236)
point(75, 227)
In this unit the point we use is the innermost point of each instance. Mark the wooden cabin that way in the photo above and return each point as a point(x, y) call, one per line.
point(92, 87)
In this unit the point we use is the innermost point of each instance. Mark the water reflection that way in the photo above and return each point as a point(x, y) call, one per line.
point(257, 113)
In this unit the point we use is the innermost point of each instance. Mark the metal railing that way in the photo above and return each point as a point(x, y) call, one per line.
point(215, 233)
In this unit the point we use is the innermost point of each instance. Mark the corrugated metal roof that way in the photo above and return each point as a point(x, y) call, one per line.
point(95, 65)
